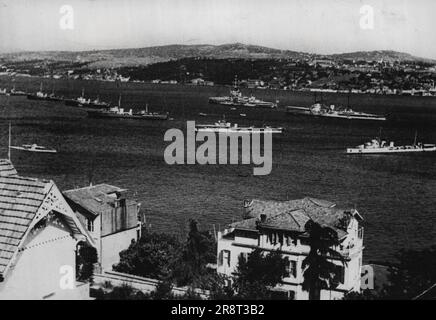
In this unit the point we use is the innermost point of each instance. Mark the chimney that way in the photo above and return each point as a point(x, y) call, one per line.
point(246, 209)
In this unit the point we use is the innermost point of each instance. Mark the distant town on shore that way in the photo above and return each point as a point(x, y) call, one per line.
point(375, 72)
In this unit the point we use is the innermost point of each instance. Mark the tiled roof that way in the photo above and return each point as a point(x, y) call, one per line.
point(6, 168)
point(96, 199)
point(293, 215)
point(20, 199)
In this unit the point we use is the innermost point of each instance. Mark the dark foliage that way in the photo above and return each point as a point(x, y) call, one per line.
point(414, 273)
point(198, 251)
point(256, 275)
point(319, 271)
point(163, 256)
point(85, 260)
point(163, 291)
point(153, 256)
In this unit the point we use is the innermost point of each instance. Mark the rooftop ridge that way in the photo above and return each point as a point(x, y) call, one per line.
point(93, 186)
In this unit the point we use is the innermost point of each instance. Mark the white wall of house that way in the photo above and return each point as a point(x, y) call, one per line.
point(36, 273)
point(111, 246)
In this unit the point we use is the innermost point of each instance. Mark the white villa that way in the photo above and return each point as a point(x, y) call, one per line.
point(39, 234)
point(109, 216)
point(280, 225)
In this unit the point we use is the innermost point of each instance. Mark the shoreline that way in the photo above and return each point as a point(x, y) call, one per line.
point(285, 97)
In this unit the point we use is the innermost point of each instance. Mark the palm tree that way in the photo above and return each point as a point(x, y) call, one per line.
point(319, 271)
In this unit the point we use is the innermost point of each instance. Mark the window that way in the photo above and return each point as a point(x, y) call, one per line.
point(360, 233)
point(278, 295)
point(90, 225)
point(224, 258)
point(292, 269)
point(305, 242)
point(339, 275)
point(282, 295)
point(244, 255)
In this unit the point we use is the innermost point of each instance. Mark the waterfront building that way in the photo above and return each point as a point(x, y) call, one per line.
point(39, 234)
point(280, 225)
point(109, 216)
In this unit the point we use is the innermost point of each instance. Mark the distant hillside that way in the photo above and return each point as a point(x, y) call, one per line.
point(149, 55)
point(386, 55)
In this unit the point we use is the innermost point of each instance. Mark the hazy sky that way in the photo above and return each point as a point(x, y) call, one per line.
point(319, 26)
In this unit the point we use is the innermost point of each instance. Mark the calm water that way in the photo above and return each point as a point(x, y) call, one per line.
point(396, 194)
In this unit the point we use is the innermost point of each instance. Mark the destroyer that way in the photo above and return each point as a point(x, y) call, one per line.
point(226, 127)
point(40, 95)
point(87, 103)
point(118, 112)
point(219, 148)
point(380, 146)
point(324, 111)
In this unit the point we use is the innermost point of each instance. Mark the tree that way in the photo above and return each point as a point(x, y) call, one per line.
point(123, 292)
point(218, 287)
point(85, 260)
point(198, 251)
point(364, 295)
point(414, 273)
point(154, 255)
point(319, 271)
point(163, 291)
point(256, 275)
point(163, 257)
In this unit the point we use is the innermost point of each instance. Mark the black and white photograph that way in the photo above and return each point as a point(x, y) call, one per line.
point(235, 151)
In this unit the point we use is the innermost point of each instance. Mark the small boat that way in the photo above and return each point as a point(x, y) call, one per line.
point(33, 148)
point(380, 146)
point(226, 127)
point(202, 114)
point(27, 147)
point(17, 92)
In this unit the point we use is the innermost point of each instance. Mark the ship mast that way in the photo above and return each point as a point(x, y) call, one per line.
point(235, 83)
point(9, 146)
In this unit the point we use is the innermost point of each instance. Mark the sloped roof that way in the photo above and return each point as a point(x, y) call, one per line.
point(289, 220)
point(6, 168)
point(21, 199)
point(293, 215)
point(96, 199)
